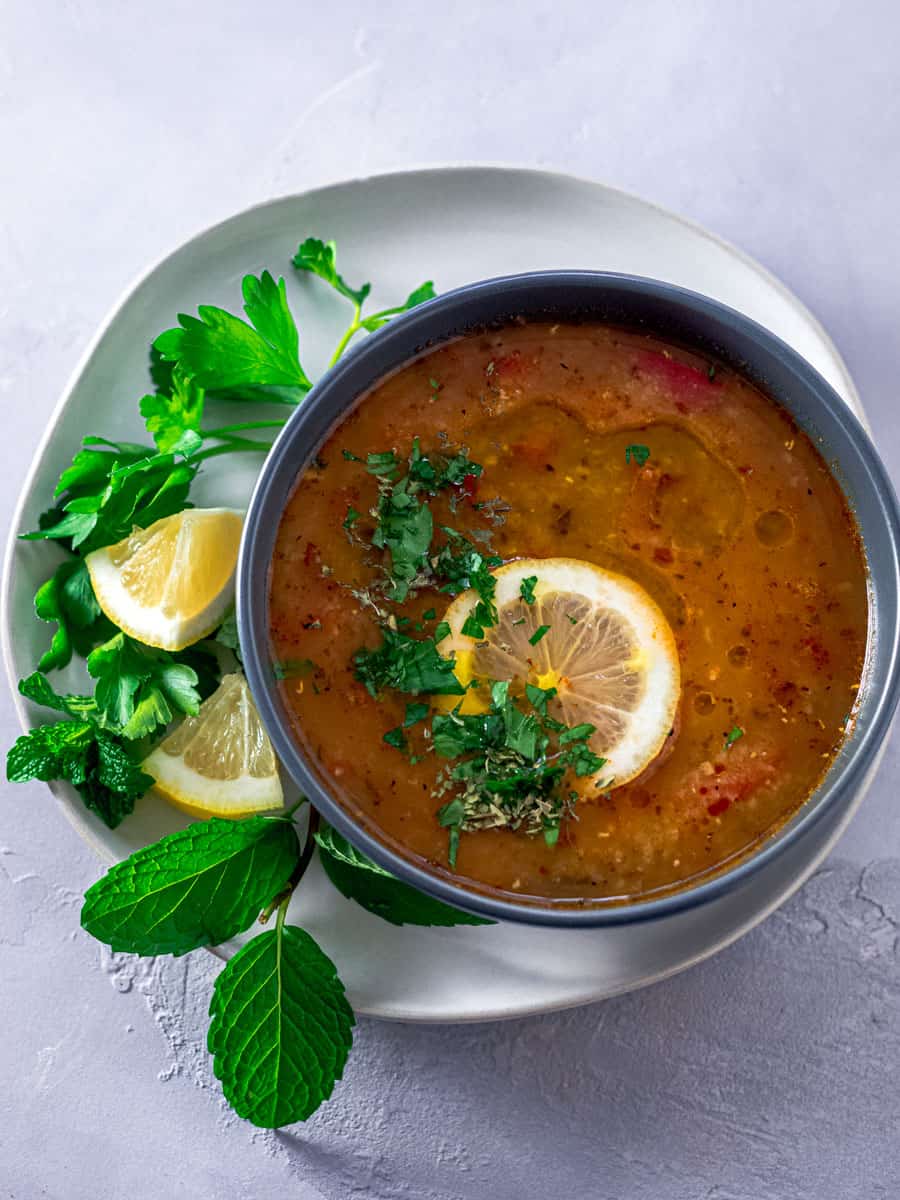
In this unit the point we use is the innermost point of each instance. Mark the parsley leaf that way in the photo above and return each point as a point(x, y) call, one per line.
point(404, 529)
point(109, 492)
point(638, 454)
point(67, 598)
point(526, 588)
point(280, 1027)
point(358, 878)
point(539, 633)
point(318, 258)
point(94, 761)
point(139, 688)
point(197, 887)
point(221, 352)
point(734, 735)
point(406, 664)
point(174, 418)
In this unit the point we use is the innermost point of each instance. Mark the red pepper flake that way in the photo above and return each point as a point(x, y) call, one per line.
point(663, 554)
point(470, 486)
point(718, 807)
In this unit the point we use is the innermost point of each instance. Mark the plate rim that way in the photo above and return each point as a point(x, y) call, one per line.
point(77, 819)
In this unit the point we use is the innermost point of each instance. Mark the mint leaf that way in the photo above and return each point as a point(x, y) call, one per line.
point(221, 352)
point(94, 761)
point(280, 1028)
point(358, 878)
point(197, 887)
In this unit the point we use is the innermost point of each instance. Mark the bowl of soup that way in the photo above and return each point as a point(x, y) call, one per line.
point(572, 598)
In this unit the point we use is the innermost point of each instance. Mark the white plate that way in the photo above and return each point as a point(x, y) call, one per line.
point(453, 225)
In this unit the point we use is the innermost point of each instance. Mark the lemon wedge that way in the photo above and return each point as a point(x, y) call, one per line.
point(170, 585)
point(219, 763)
point(595, 636)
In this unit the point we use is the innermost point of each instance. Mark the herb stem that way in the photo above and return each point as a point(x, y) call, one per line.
point(283, 898)
point(224, 430)
point(233, 446)
point(353, 328)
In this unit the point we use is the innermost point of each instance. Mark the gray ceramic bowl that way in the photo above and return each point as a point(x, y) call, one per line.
point(659, 308)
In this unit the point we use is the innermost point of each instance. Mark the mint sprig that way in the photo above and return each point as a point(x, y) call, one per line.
point(359, 878)
point(197, 887)
point(281, 1027)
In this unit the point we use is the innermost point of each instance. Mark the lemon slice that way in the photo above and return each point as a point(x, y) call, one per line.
point(607, 649)
point(221, 762)
point(170, 585)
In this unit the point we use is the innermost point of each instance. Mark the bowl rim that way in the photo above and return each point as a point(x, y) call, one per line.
point(334, 395)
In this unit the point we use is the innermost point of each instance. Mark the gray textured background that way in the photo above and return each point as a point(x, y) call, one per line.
point(767, 1074)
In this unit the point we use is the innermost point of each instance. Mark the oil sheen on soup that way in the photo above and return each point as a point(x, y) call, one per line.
point(544, 442)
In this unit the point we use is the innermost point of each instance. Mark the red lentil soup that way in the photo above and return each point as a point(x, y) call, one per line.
point(732, 523)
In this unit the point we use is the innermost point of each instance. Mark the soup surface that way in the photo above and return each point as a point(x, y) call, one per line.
point(617, 449)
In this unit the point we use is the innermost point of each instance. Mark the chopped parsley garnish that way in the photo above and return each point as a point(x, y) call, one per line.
point(414, 714)
point(540, 632)
point(520, 621)
point(406, 664)
point(351, 518)
point(510, 764)
point(429, 614)
point(293, 668)
point(461, 565)
point(404, 525)
point(572, 620)
point(733, 735)
point(638, 454)
point(526, 588)
point(395, 737)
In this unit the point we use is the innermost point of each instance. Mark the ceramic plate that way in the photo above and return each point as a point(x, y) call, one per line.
point(452, 225)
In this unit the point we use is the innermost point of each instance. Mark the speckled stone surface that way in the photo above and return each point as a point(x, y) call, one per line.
point(769, 1073)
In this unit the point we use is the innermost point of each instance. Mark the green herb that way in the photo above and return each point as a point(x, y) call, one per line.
point(429, 614)
point(441, 631)
point(540, 632)
point(221, 352)
point(351, 518)
point(509, 765)
point(519, 621)
point(638, 454)
point(106, 493)
point(396, 738)
point(197, 887)
point(319, 258)
point(406, 664)
point(414, 714)
point(359, 878)
point(572, 620)
point(734, 734)
point(293, 668)
point(711, 372)
point(526, 588)
point(68, 599)
point(94, 761)
point(280, 1027)
point(174, 418)
point(139, 688)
